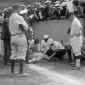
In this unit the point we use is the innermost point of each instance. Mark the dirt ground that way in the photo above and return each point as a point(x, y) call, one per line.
point(44, 73)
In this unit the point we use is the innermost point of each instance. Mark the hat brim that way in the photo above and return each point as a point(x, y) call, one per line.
point(47, 2)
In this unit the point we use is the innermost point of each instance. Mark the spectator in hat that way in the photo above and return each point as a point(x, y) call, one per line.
point(57, 9)
point(38, 11)
point(69, 8)
point(30, 10)
point(45, 12)
point(47, 2)
point(41, 7)
point(30, 14)
point(63, 9)
point(23, 12)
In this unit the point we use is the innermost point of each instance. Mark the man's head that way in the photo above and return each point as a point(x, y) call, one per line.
point(46, 38)
point(47, 3)
point(22, 6)
point(5, 10)
point(16, 8)
point(50, 42)
point(10, 9)
point(36, 41)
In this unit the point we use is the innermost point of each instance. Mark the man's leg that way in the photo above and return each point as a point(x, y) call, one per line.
point(21, 66)
point(78, 62)
point(69, 54)
point(5, 56)
point(36, 57)
point(21, 54)
point(68, 50)
point(8, 50)
point(12, 66)
point(27, 57)
point(59, 54)
point(5, 53)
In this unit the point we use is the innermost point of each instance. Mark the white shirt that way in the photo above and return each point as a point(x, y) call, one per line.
point(63, 4)
point(44, 45)
point(34, 48)
point(14, 22)
point(75, 27)
point(70, 6)
point(56, 45)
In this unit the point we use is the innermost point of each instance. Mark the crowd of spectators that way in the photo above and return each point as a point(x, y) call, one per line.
point(60, 9)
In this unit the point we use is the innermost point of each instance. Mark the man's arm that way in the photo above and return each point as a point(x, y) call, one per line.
point(22, 28)
point(52, 55)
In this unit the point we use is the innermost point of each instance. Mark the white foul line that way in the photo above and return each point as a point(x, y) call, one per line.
point(54, 76)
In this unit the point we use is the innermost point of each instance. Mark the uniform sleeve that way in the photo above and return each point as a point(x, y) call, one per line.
point(20, 20)
point(31, 44)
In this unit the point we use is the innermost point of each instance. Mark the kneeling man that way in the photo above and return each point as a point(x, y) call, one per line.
point(54, 50)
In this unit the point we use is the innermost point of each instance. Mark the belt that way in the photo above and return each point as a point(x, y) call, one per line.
point(16, 34)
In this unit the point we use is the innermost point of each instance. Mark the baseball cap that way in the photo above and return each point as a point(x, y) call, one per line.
point(46, 36)
point(50, 41)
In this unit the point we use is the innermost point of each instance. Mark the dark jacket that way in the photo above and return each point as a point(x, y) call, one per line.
point(5, 30)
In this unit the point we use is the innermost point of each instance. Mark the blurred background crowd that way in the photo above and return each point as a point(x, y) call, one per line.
point(47, 10)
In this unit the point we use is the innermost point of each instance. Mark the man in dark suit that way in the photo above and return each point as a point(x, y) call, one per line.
point(5, 36)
